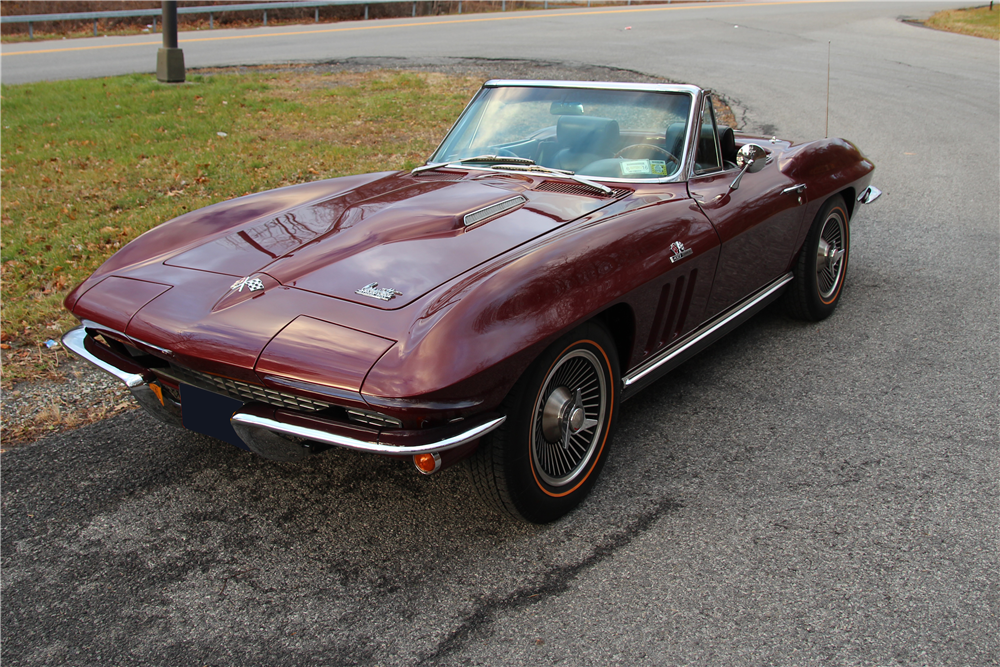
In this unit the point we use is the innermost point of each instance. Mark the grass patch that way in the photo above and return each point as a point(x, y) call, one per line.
point(978, 22)
point(88, 165)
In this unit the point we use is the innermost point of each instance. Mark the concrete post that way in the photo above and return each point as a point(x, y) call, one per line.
point(170, 59)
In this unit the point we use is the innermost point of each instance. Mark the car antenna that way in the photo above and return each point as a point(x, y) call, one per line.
point(826, 135)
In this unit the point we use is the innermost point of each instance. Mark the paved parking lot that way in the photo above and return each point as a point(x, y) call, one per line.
point(798, 495)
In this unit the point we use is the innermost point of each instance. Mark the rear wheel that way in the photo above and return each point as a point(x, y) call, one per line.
point(821, 267)
point(546, 457)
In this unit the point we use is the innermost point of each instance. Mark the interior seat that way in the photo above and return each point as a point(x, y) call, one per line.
point(727, 144)
point(584, 139)
point(674, 139)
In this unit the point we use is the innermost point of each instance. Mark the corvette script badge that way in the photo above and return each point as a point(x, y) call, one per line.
point(374, 291)
point(680, 252)
point(252, 284)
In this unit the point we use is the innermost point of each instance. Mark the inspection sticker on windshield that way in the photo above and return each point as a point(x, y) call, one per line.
point(630, 167)
point(658, 167)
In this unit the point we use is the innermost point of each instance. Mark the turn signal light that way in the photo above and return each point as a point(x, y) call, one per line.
point(427, 463)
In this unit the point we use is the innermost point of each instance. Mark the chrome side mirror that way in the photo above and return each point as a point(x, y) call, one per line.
point(750, 158)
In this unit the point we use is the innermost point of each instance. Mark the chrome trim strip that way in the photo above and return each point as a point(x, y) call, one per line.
point(363, 445)
point(597, 85)
point(493, 209)
point(73, 340)
point(700, 335)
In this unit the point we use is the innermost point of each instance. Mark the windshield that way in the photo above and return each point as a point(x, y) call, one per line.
point(622, 134)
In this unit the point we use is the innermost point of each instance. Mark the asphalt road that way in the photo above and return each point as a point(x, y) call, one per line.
point(798, 495)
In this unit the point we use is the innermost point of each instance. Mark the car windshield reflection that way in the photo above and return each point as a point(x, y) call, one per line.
point(593, 132)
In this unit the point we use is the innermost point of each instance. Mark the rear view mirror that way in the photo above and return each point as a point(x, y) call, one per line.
point(566, 109)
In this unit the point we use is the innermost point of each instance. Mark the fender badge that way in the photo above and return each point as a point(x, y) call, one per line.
point(252, 284)
point(680, 252)
point(376, 292)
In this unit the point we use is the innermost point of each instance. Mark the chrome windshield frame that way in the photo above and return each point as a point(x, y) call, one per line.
point(696, 93)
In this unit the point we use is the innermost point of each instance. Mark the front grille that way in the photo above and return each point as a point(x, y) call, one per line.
point(375, 419)
point(579, 190)
point(241, 391)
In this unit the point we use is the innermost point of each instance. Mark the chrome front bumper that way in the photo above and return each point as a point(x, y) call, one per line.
point(288, 423)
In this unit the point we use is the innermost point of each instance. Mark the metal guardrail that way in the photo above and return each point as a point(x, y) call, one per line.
point(31, 19)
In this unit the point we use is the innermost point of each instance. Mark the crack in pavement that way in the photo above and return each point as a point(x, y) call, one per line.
point(553, 582)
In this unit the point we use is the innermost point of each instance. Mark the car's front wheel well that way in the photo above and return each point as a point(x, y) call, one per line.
point(850, 200)
point(619, 320)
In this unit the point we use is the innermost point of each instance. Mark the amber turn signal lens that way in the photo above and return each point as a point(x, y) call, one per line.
point(156, 390)
point(427, 463)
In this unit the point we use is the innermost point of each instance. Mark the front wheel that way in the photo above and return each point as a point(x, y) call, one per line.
point(546, 457)
point(821, 267)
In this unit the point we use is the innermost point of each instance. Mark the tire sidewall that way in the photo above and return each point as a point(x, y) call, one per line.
point(820, 308)
point(535, 500)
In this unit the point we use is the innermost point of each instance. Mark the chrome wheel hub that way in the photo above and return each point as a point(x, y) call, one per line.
point(564, 416)
point(830, 254)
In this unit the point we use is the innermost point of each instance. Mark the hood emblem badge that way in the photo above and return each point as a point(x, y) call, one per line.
point(680, 252)
point(252, 284)
point(376, 292)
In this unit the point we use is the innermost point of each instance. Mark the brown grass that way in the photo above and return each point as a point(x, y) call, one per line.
point(977, 22)
point(88, 165)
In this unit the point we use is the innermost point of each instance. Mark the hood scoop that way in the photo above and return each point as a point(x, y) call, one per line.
point(493, 210)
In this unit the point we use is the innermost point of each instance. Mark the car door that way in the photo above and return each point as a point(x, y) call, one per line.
point(758, 223)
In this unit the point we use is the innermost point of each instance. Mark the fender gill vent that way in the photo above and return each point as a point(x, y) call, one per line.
point(580, 190)
point(493, 209)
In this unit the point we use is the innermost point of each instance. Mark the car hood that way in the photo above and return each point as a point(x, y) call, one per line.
point(387, 243)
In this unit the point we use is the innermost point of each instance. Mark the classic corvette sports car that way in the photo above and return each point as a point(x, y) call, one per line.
point(567, 244)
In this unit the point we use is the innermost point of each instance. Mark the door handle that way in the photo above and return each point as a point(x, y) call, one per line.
point(795, 190)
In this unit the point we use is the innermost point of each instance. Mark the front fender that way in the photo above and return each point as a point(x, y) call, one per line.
point(825, 166)
point(478, 334)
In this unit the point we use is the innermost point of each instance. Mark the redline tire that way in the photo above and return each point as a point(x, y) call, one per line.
point(547, 456)
point(821, 268)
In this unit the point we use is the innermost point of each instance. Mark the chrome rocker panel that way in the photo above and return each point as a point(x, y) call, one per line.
point(673, 356)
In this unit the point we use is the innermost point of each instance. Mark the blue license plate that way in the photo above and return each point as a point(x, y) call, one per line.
point(209, 413)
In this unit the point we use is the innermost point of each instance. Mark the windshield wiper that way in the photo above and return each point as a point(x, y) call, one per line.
point(565, 173)
point(491, 159)
point(516, 164)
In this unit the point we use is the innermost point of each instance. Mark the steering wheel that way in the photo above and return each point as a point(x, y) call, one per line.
point(646, 148)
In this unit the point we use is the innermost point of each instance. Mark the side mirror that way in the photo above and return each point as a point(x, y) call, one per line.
point(750, 158)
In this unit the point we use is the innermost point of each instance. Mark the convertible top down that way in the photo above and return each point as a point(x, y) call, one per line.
point(567, 244)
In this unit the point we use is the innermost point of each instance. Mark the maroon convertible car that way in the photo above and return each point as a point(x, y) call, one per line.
point(566, 245)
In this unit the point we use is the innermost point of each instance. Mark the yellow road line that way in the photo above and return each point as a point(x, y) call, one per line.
point(379, 26)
